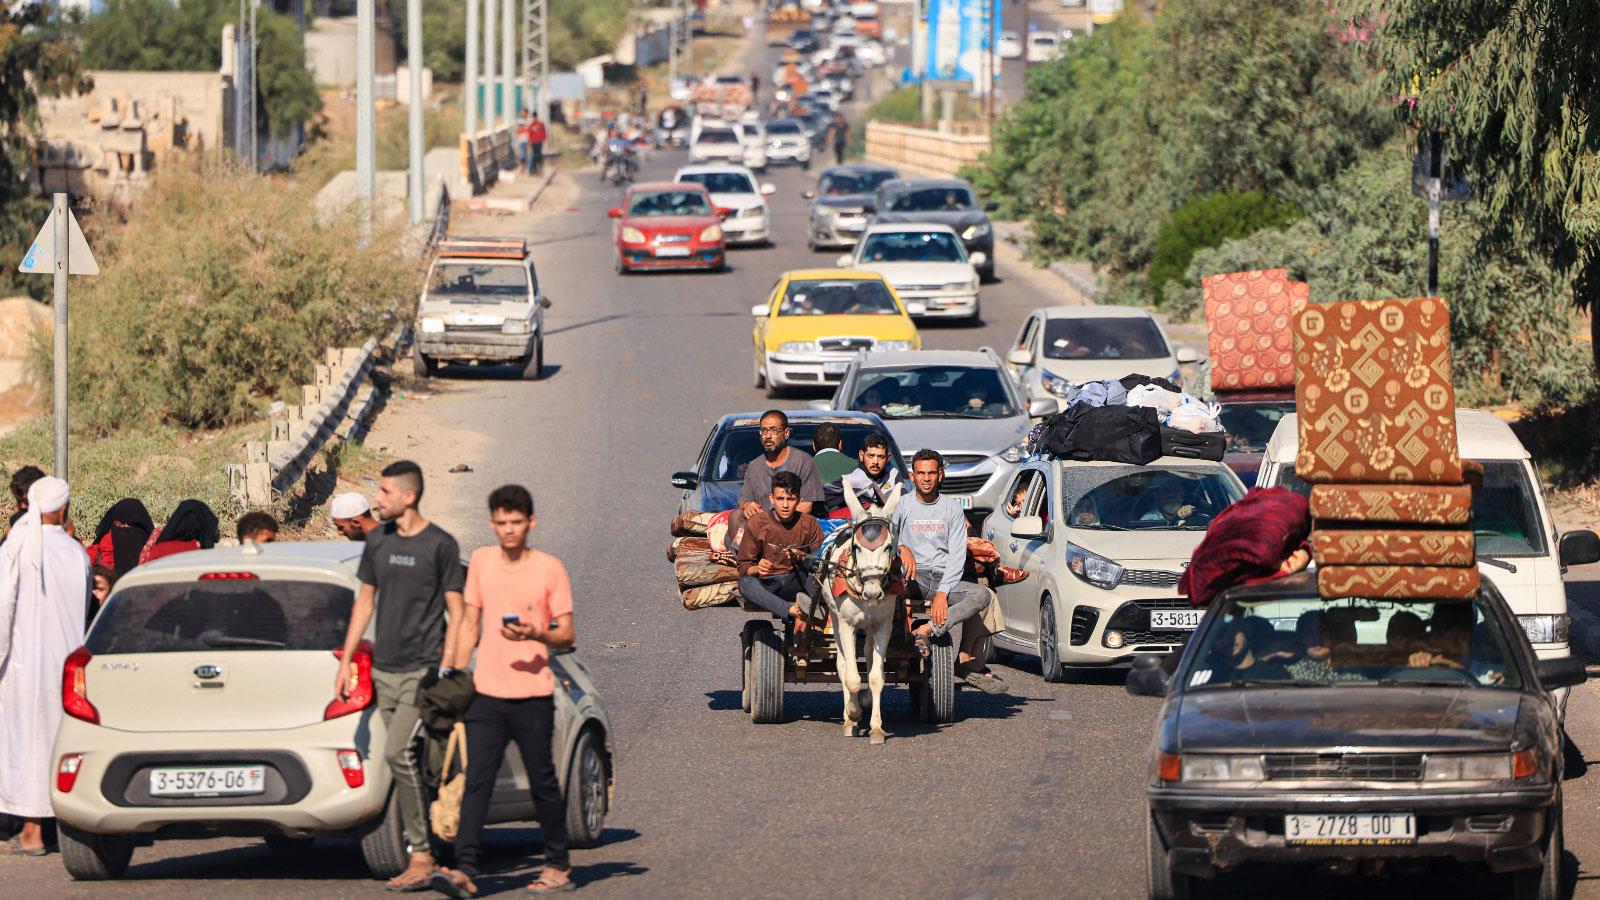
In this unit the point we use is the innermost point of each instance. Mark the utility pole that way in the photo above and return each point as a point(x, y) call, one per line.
point(508, 63)
point(536, 53)
point(255, 155)
point(1435, 164)
point(491, 93)
point(672, 42)
point(469, 95)
point(994, 60)
point(244, 84)
point(366, 111)
point(416, 109)
point(59, 285)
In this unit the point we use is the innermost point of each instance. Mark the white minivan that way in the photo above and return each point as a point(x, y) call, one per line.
point(1518, 548)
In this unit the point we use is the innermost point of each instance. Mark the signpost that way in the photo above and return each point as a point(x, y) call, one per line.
point(60, 250)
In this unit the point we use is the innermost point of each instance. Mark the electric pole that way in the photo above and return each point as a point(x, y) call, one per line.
point(491, 93)
point(508, 64)
point(366, 111)
point(536, 53)
point(469, 94)
point(417, 108)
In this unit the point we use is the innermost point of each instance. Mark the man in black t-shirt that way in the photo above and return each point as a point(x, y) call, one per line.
point(411, 575)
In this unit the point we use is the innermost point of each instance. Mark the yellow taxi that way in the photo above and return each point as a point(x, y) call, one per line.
point(816, 320)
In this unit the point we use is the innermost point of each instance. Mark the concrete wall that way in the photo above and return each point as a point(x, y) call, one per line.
point(923, 149)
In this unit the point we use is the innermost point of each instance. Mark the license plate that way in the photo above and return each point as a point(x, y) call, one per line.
point(672, 251)
point(208, 782)
point(852, 223)
point(966, 502)
point(1175, 619)
point(835, 368)
point(1351, 828)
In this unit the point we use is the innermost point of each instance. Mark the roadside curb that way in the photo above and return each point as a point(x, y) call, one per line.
point(511, 204)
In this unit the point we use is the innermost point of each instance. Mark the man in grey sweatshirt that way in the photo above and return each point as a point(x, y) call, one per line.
point(934, 528)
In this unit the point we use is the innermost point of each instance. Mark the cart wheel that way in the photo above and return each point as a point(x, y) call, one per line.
point(766, 675)
point(940, 703)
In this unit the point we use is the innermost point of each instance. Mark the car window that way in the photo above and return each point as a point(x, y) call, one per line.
point(231, 614)
point(1138, 498)
point(1353, 641)
point(1119, 338)
point(722, 182)
point(852, 297)
point(1249, 426)
point(1505, 515)
point(718, 136)
point(1027, 496)
point(932, 392)
point(783, 127)
point(1025, 337)
point(834, 184)
point(931, 200)
point(911, 246)
point(738, 445)
point(463, 282)
point(670, 203)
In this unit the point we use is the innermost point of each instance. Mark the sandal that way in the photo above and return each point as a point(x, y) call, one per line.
point(445, 882)
point(547, 883)
point(400, 884)
point(15, 848)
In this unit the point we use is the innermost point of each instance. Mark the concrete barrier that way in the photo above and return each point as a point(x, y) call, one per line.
point(485, 155)
point(923, 150)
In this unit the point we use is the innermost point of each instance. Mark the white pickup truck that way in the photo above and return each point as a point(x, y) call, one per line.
point(481, 306)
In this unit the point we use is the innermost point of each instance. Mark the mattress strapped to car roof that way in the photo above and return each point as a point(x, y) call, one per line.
point(484, 247)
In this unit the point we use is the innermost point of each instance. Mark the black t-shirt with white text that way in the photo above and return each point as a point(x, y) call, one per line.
point(412, 575)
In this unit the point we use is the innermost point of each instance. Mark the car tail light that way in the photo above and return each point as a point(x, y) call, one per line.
point(1169, 766)
point(350, 764)
point(359, 668)
point(228, 576)
point(75, 689)
point(67, 772)
point(1524, 763)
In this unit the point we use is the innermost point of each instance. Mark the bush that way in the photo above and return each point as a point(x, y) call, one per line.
point(899, 105)
point(1207, 221)
point(223, 289)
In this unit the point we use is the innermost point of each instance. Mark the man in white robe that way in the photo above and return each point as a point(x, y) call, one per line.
point(44, 596)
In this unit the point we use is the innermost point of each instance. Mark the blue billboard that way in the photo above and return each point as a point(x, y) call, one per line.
point(957, 35)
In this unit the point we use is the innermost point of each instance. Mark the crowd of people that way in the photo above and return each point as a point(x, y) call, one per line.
point(512, 605)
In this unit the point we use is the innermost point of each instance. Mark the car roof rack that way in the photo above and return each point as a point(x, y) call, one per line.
point(484, 247)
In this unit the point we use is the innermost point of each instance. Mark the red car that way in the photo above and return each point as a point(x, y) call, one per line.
point(668, 226)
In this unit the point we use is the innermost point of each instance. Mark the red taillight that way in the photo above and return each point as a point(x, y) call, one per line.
point(359, 670)
point(1525, 763)
point(228, 576)
point(350, 765)
point(67, 772)
point(1169, 766)
point(74, 687)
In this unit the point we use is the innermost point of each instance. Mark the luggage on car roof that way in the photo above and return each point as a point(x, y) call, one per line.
point(1105, 433)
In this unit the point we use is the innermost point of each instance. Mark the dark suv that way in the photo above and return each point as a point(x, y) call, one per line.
point(1352, 731)
point(941, 201)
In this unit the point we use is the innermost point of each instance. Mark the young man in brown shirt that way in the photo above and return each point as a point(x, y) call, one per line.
point(772, 540)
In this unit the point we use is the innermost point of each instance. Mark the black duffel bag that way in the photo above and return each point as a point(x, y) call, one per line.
point(1125, 434)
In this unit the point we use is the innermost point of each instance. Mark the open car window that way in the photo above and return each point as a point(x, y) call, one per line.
point(838, 298)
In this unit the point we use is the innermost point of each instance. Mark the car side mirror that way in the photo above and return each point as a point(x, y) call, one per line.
point(1028, 528)
point(686, 480)
point(843, 261)
point(545, 303)
point(1580, 548)
point(723, 212)
point(760, 310)
point(767, 190)
point(1567, 671)
point(1040, 407)
point(1186, 356)
point(978, 259)
point(1147, 678)
point(820, 405)
point(614, 212)
point(1020, 357)
point(809, 194)
point(916, 309)
point(991, 206)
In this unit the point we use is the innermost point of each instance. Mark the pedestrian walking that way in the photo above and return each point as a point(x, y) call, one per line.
point(520, 599)
point(839, 134)
point(257, 528)
point(524, 162)
point(537, 135)
point(21, 480)
point(121, 536)
point(410, 575)
point(44, 601)
point(352, 516)
point(192, 526)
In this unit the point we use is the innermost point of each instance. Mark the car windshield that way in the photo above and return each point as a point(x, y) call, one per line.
point(1309, 641)
point(934, 392)
point(1248, 426)
point(836, 183)
point(738, 445)
point(856, 297)
point(461, 282)
point(1505, 515)
point(784, 126)
point(232, 614)
point(670, 203)
point(911, 246)
point(931, 200)
point(1141, 498)
point(722, 182)
point(1104, 338)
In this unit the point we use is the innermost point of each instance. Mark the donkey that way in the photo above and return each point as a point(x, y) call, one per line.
point(861, 567)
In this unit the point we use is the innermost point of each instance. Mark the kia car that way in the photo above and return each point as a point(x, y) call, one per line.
point(1062, 346)
point(665, 225)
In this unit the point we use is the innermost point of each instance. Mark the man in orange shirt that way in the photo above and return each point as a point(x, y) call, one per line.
point(521, 600)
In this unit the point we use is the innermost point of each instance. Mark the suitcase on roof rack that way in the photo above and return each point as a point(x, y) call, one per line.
point(1188, 445)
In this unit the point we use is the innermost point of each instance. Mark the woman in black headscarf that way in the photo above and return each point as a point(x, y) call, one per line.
point(123, 532)
point(192, 526)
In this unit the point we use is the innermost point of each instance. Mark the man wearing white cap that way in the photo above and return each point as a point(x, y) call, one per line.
point(352, 515)
point(44, 602)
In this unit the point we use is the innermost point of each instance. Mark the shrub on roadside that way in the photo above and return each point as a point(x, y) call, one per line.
point(1207, 221)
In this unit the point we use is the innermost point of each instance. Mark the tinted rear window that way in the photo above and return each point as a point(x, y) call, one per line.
point(223, 615)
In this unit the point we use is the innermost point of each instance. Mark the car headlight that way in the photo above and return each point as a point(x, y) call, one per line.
point(1093, 568)
point(895, 345)
point(1055, 384)
point(974, 232)
point(960, 286)
point(712, 233)
point(431, 325)
point(516, 326)
point(1546, 629)
point(631, 235)
point(1222, 768)
point(1467, 767)
point(1014, 453)
point(798, 347)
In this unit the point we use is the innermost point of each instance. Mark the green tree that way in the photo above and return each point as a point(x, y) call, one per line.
point(35, 58)
point(1206, 221)
point(1515, 88)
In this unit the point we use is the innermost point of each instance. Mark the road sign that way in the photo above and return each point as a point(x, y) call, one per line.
point(41, 256)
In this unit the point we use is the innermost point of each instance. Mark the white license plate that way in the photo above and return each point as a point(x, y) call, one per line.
point(966, 502)
point(835, 368)
point(1175, 619)
point(208, 782)
point(672, 251)
point(852, 223)
point(1351, 828)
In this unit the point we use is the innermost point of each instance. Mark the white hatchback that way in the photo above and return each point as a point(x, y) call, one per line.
point(1060, 346)
point(927, 264)
point(734, 187)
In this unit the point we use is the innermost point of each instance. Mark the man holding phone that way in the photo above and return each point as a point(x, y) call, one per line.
point(520, 599)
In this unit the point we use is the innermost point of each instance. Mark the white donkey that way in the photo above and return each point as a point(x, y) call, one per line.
point(863, 563)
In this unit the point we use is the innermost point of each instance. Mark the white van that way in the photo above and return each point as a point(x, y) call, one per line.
point(1518, 548)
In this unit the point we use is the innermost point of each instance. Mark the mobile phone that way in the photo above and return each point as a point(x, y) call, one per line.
point(510, 620)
